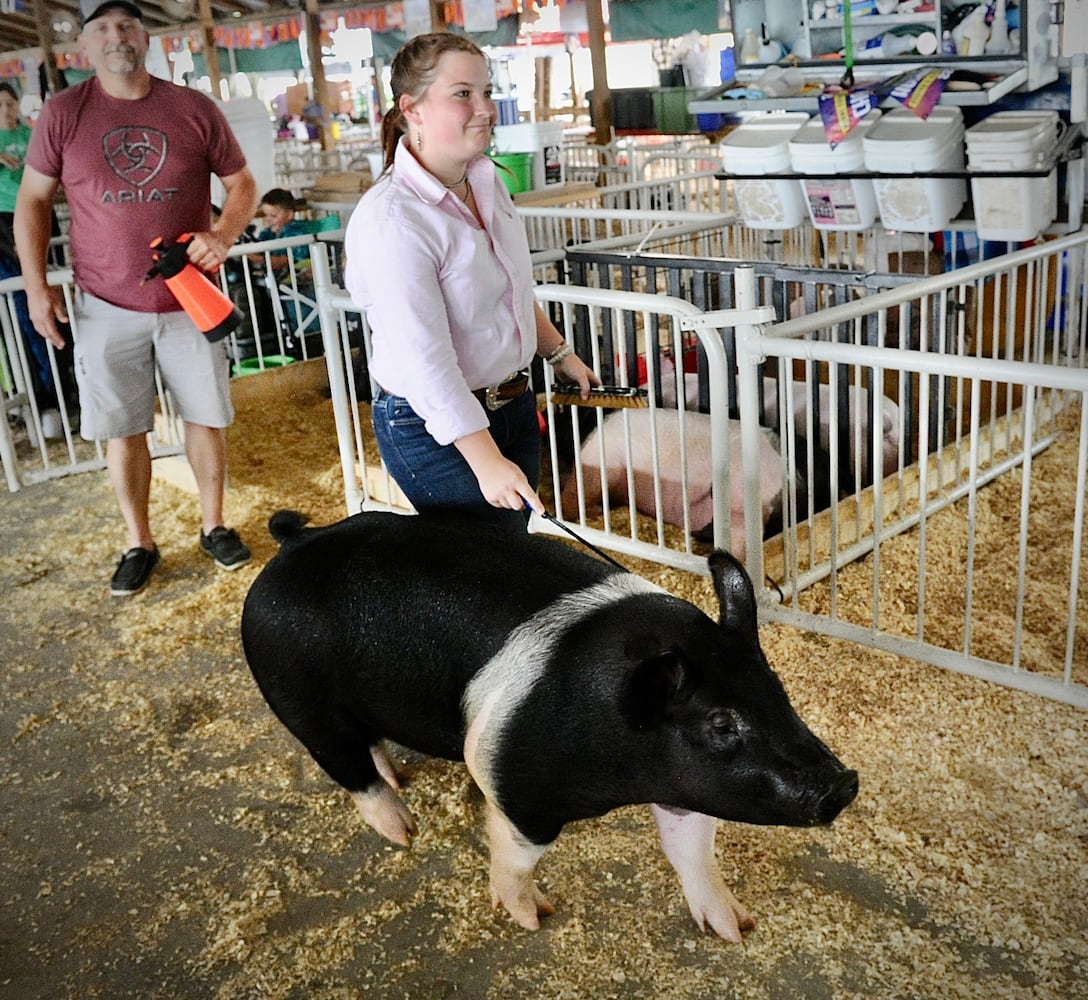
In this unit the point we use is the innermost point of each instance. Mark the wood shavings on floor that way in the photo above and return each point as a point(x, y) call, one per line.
point(165, 837)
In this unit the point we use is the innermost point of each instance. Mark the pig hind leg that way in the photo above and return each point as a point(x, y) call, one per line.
point(383, 810)
point(688, 841)
point(349, 755)
point(385, 767)
point(380, 805)
point(513, 859)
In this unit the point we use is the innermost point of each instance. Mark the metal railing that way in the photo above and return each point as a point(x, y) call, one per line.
point(996, 383)
point(39, 423)
point(873, 421)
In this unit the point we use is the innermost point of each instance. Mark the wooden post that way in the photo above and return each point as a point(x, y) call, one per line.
point(543, 77)
point(211, 54)
point(317, 72)
point(438, 16)
point(44, 23)
point(602, 104)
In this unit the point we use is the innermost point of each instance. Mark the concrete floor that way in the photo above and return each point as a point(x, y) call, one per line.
point(162, 836)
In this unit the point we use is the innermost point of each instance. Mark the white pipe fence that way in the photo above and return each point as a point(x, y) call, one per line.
point(39, 437)
point(667, 482)
point(836, 433)
point(1008, 397)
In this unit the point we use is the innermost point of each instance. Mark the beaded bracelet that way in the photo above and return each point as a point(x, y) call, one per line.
point(560, 354)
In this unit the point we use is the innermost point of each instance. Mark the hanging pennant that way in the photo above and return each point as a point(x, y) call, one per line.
point(479, 15)
point(841, 105)
point(841, 110)
point(917, 89)
point(417, 17)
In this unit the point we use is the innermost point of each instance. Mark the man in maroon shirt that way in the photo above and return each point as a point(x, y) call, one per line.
point(135, 155)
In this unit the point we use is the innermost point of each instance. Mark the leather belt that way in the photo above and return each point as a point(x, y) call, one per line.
point(495, 397)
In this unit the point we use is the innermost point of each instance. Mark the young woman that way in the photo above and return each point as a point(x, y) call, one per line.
point(438, 260)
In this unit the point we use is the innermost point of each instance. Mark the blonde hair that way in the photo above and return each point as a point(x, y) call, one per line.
point(413, 70)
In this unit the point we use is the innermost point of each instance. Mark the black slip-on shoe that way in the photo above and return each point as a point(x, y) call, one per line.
point(225, 547)
point(133, 571)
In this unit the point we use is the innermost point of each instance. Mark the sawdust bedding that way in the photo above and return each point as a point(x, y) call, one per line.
point(164, 836)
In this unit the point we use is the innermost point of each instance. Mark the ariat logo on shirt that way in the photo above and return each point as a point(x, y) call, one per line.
point(136, 154)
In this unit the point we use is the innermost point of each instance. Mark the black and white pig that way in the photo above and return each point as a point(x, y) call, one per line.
point(568, 687)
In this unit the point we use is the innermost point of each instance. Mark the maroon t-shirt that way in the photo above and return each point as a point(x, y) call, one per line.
point(131, 171)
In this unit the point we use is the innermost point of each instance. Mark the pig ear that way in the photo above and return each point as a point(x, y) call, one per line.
point(736, 599)
point(652, 687)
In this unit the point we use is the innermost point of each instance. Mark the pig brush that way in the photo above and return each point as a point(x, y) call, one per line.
point(630, 397)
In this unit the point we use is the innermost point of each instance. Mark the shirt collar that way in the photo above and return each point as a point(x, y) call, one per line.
point(421, 182)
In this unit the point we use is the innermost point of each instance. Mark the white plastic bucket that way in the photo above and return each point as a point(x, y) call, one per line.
point(760, 148)
point(1013, 208)
point(901, 142)
point(834, 202)
point(545, 139)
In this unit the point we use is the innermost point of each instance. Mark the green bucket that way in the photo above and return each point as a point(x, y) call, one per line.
point(250, 366)
point(518, 172)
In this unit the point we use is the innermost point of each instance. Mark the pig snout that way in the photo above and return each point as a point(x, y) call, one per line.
point(812, 796)
point(842, 791)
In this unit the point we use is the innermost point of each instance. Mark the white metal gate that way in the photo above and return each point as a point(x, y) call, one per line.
point(1007, 384)
point(912, 402)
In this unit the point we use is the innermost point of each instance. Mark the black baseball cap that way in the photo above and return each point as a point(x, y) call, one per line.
point(90, 9)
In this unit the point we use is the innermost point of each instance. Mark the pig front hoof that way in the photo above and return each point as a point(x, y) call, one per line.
point(523, 901)
point(718, 907)
point(688, 842)
point(383, 810)
point(513, 859)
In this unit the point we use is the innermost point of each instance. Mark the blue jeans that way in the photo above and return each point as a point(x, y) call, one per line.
point(437, 476)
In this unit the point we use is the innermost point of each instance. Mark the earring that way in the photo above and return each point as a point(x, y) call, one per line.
point(419, 139)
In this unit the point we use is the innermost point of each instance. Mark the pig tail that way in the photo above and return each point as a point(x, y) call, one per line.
point(412, 71)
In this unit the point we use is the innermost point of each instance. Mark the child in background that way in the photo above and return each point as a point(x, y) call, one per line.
point(277, 211)
point(14, 138)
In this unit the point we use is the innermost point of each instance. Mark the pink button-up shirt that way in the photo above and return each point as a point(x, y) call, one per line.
point(450, 304)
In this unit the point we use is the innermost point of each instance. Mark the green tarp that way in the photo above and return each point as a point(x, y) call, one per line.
point(386, 43)
point(288, 56)
point(634, 20)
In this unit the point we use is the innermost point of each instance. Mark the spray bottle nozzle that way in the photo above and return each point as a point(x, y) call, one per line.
point(169, 258)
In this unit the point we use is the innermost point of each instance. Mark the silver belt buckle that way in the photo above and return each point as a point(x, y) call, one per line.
point(491, 393)
point(491, 399)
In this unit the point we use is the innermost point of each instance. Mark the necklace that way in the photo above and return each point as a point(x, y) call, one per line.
point(456, 184)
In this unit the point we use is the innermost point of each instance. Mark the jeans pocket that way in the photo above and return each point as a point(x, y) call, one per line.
point(397, 412)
